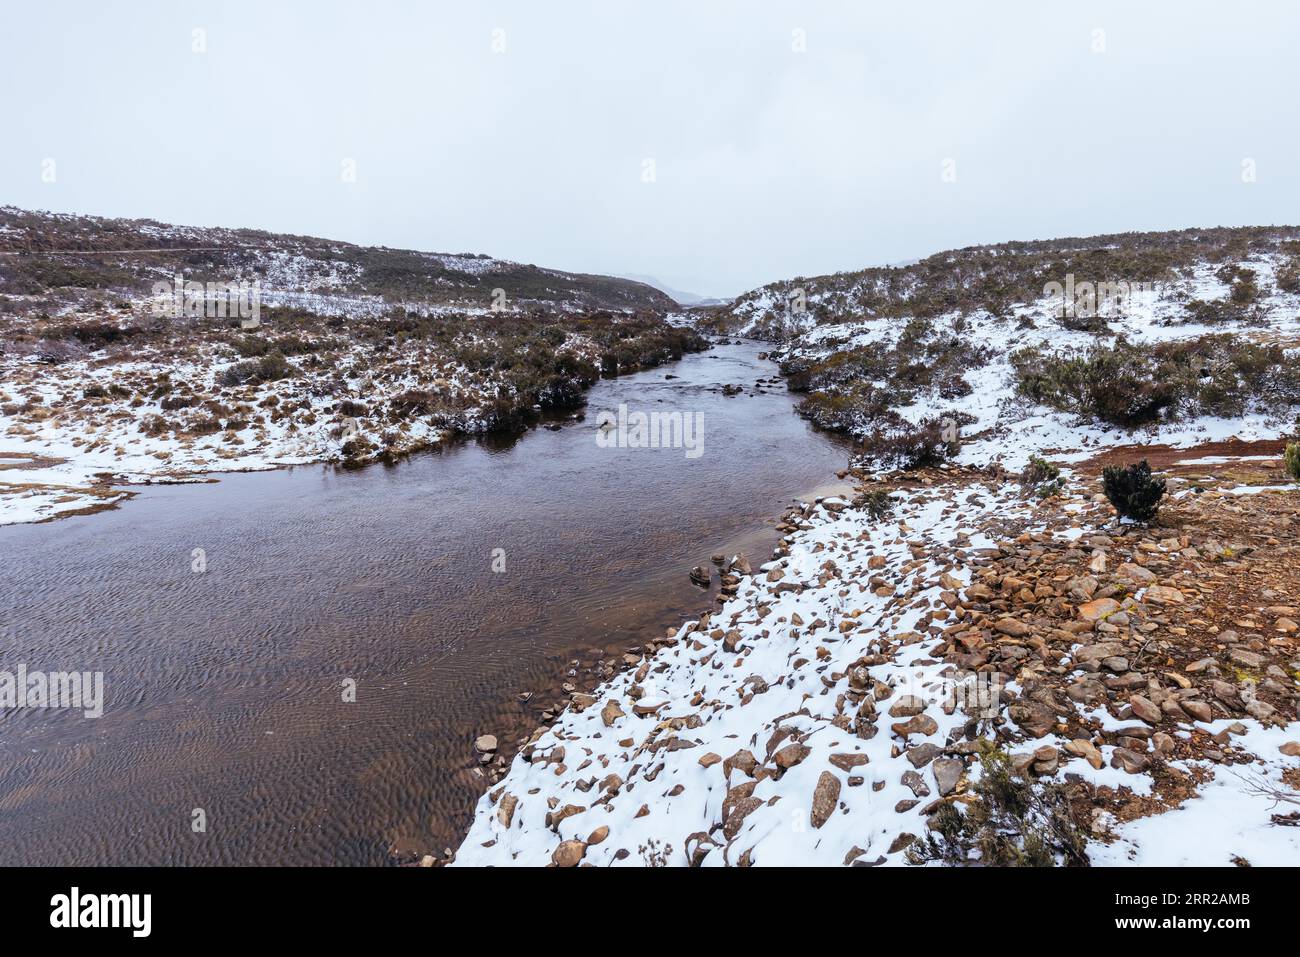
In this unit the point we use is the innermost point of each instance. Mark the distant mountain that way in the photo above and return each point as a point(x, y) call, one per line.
point(682, 298)
point(59, 256)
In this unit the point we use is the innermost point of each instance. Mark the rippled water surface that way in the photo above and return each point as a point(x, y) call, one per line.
point(224, 689)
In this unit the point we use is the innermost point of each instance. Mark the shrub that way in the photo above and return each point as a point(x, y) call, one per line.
point(1041, 477)
point(909, 447)
point(877, 504)
point(268, 368)
point(1291, 458)
point(1014, 823)
point(1133, 491)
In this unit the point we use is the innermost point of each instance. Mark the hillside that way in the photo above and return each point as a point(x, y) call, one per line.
point(977, 659)
point(278, 350)
point(124, 256)
point(1176, 337)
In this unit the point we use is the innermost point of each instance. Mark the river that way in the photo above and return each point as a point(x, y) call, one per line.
point(439, 588)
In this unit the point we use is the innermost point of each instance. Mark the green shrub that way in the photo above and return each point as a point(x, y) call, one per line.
point(1291, 458)
point(1134, 492)
point(1041, 478)
point(1014, 822)
point(877, 503)
point(268, 368)
point(908, 447)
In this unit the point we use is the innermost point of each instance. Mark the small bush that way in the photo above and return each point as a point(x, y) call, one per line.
point(1134, 492)
point(877, 504)
point(1014, 823)
point(1291, 458)
point(1041, 477)
point(268, 368)
point(909, 447)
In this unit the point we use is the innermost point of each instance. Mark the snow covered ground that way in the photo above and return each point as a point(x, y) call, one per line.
point(805, 722)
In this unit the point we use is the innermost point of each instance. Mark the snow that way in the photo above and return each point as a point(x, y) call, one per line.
point(779, 832)
point(1227, 818)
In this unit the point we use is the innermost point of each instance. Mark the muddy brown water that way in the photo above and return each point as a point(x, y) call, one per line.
point(224, 690)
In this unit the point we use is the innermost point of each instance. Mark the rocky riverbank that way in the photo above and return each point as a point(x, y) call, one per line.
point(947, 647)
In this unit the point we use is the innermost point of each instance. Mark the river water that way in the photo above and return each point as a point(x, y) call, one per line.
point(225, 690)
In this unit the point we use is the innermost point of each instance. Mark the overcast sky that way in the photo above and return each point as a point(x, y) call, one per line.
point(787, 138)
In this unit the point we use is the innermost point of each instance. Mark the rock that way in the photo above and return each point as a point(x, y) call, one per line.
point(921, 724)
point(568, 854)
point(611, 712)
point(1145, 709)
point(825, 798)
point(598, 835)
point(1084, 588)
point(1085, 749)
point(978, 593)
point(1198, 710)
point(916, 783)
point(906, 706)
point(791, 755)
point(923, 754)
point(743, 759)
point(947, 772)
point(1097, 609)
point(1247, 659)
point(1291, 749)
point(1129, 761)
point(581, 702)
point(1163, 595)
point(1012, 627)
point(486, 744)
point(1135, 573)
point(1034, 719)
point(710, 759)
point(699, 575)
point(848, 761)
point(647, 706)
point(506, 809)
point(1286, 625)
point(901, 842)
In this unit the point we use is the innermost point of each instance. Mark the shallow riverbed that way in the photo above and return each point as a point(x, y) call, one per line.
point(224, 691)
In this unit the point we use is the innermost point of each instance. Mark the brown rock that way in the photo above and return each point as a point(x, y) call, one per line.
point(825, 797)
point(1129, 761)
point(1097, 609)
point(710, 759)
point(506, 809)
point(848, 761)
point(611, 712)
point(568, 854)
point(947, 772)
point(921, 724)
point(1085, 749)
point(906, 706)
point(1012, 627)
point(791, 755)
point(1145, 709)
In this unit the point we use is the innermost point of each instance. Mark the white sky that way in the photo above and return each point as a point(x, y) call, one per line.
point(769, 163)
